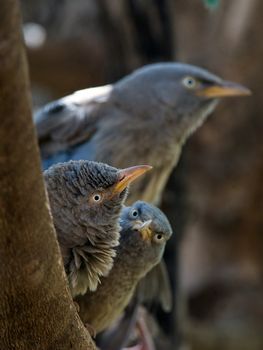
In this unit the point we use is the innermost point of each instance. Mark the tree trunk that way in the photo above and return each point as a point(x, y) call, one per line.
point(36, 309)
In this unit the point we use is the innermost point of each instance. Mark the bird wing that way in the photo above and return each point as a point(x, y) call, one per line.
point(70, 120)
point(155, 286)
point(116, 336)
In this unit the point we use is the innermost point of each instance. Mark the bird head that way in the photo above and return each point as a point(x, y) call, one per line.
point(144, 233)
point(86, 199)
point(89, 192)
point(182, 95)
point(108, 195)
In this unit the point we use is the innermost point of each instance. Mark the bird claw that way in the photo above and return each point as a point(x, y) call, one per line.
point(91, 329)
point(76, 306)
point(147, 342)
point(136, 347)
point(145, 338)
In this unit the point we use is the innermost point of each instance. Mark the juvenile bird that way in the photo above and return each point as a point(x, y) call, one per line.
point(146, 117)
point(144, 233)
point(86, 199)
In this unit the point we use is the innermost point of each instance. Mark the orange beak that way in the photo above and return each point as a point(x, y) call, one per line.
point(224, 89)
point(144, 229)
point(128, 175)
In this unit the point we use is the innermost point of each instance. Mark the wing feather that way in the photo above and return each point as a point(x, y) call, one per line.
point(70, 120)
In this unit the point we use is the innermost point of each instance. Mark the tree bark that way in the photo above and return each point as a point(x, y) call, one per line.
point(36, 309)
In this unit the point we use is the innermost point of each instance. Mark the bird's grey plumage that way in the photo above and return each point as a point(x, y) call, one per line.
point(149, 291)
point(137, 253)
point(87, 232)
point(145, 117)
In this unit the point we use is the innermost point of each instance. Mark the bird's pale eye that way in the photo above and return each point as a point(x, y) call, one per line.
point(189, 82)
point(158, 238)
point(97, 197)
point(134, 213)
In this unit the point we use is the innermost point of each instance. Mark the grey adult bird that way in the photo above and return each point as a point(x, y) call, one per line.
point(144, 233)
point(145, 117)
point(86, 199)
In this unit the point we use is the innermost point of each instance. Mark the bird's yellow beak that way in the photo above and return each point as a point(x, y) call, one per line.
point(224, 89)
point(144, 229)
point(128, 175)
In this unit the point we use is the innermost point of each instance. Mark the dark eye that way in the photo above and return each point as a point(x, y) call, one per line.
point(189, 82)
point(158, 238)
point(134, 213)
point(97, 197)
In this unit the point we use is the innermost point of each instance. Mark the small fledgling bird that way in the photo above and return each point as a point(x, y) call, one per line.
point(144, 233)
point(145, 118)
point(86, 199)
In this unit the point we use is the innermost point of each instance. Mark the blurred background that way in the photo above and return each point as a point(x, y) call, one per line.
point(214, 198)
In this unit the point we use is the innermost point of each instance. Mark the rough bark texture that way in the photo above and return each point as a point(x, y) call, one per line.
point(36, 310)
